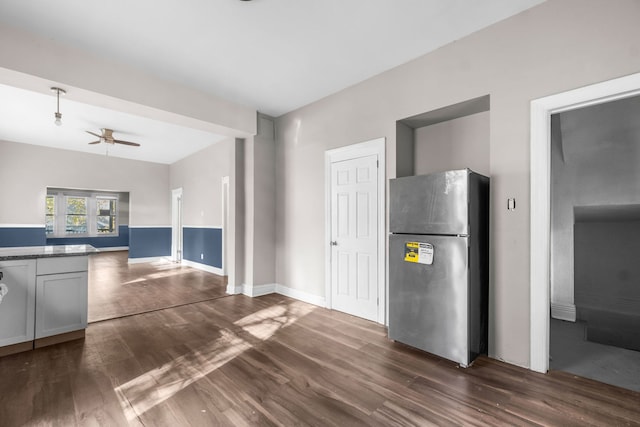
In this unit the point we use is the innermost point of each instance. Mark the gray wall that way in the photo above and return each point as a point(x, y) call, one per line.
point(259, 196)
point(200, 177)
point(27, 171)
point(263, 256)
point(557, 46)
point(594, 162)
point(454, 144)
point(607, 271)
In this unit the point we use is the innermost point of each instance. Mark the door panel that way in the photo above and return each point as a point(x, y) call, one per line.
point(354, 233)
point(17, 307)
point(428, 304)
point(430, 204)
point(61, 303)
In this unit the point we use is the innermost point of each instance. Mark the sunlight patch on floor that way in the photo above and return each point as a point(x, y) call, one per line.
point(159, 275)
point(264, 323)
point(156, 386)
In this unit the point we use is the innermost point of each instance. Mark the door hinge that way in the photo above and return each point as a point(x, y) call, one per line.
point(377, 163)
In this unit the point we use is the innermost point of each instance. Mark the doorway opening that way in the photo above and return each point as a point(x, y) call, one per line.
point(542, 116)
point(595, 239)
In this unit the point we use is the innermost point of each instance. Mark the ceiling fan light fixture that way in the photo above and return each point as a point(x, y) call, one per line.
point(58, 114)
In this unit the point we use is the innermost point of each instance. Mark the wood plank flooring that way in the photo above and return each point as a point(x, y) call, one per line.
point(118, 289)
point(273, 360)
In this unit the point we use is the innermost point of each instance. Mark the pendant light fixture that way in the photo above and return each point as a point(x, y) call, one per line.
point(58, 115)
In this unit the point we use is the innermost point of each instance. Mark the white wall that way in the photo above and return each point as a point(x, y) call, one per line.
point(27, 171)
point(454, 144)
point(554, 47)
point(200, 177)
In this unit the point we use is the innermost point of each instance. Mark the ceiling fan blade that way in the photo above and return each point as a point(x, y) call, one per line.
point(134, 144)
point(95, 142)
point(94, 134)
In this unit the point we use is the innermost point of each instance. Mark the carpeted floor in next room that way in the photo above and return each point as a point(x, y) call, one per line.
point(571, 352)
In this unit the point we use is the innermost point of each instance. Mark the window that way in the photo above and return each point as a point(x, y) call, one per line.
point(50, 219)
point(106, 215)
point(76, 213)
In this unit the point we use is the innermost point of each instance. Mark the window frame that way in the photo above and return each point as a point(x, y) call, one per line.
point(60, 214)
point(115, 214)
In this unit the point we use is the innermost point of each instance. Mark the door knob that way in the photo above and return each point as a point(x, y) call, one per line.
point(334, 243)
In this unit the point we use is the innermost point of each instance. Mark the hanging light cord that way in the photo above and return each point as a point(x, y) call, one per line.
point(57, 114)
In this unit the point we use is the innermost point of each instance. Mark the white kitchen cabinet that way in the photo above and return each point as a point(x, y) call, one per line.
point(47, 299)
point(61, 296)
point(18, 305)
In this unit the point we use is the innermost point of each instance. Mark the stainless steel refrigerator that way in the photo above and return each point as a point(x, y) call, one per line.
point(439, 263)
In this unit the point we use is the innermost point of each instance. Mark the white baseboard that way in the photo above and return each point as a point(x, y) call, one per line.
point(113, 249)
point(234, 290)
point(271, 288)
point(258, 290)
point(203, 267)
point(301, 295)
point(148, 259)
point(563, 311)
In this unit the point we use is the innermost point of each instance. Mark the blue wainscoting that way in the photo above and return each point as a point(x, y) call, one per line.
point(122, 239)
point(147, 242)
point(207, 242)
point(22, 236)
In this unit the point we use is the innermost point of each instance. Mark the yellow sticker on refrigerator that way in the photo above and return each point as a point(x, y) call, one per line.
point(418, 252)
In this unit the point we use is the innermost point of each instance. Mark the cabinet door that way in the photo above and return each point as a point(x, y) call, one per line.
point(18, 304)
point(61, 303)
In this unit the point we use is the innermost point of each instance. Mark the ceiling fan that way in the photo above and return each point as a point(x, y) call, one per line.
point(107, 137)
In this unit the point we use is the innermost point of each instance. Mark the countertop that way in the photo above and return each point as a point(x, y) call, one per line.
point(26, 252)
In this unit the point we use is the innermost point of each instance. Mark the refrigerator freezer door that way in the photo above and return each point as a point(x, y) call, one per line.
point(430, 204)
point(428, 302)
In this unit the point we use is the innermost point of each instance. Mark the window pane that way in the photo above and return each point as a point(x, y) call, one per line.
point(106, 219)
point(104, 206)
point(49, 223)
point(76, 206)
point(51, 207)
point(76, 224)
point(104, 224)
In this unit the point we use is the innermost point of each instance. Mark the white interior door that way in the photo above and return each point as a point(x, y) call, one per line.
point(176, 225)
point(354, 236)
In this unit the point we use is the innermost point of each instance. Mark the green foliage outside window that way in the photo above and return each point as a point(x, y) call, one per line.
point(50, 218)
point(76, 221)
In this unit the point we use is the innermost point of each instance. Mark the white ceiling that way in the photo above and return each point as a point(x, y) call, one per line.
point(271, 55)
point(28, 117)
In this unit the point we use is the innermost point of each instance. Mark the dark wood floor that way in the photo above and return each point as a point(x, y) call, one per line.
point(118, 289)
point(276, 361)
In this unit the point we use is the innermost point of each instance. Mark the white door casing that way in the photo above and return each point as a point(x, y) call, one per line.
point(176, 225)
point(541, 111)
point(225, 221)
point(355, 230)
